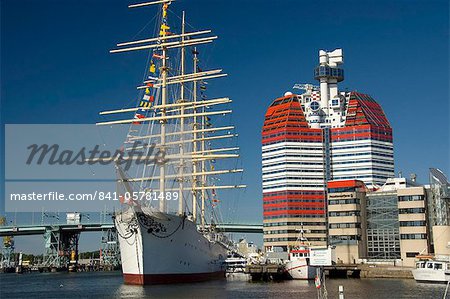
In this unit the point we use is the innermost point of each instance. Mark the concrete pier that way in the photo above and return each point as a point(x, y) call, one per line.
point(369, 271)
point(267, 272)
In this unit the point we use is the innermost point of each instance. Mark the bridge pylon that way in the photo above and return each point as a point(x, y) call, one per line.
point(110, 251)
point(61, 248)
point(7, 252)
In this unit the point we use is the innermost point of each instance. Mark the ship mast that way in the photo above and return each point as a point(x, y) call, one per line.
point(195, 135)
point(182, 108)
point(203, 163)
point(163, 121)
point(178, 109)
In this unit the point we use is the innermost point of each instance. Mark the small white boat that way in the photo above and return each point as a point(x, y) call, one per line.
point(435, 270)
point(235, 268)
point(235, 264)
point(298, 265)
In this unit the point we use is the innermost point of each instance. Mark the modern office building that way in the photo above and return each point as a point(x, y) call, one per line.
point(387, 225)
point(397, 225)
point(346, 220)
point(309, 139)
point(383, 231)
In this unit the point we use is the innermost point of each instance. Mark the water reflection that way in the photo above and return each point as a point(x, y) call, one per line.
point(110, 285)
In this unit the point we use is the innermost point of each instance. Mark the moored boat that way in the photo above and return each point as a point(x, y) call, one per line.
point(167, 224)
point(298, 266)
point(432, 270)
point(166, 248)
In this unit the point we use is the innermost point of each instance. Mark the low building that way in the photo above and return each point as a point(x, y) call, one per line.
point(246, 248)
point(346, 220)
point(387, 225)
point(397, 226)
point(414, 230)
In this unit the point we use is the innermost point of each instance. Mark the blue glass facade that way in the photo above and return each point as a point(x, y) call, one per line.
point(329, 72)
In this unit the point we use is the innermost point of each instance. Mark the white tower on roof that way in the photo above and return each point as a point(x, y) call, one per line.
point(329, 73)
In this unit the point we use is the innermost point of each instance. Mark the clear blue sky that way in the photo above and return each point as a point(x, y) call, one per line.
point(55, 66)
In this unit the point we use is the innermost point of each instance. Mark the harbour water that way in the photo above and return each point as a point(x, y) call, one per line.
point(109, 285)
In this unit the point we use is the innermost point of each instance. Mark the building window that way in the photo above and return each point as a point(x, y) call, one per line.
point(343, 201)
point(343, 189)
point(345, 225)
point(411, 211)
point(412, 254)
point(412, 223)
point(413, 236)
point(410, 198)
point(344, 213)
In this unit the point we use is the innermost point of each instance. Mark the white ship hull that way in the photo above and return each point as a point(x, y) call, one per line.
point(431, 275)
point(299, 269)
point(164, 248)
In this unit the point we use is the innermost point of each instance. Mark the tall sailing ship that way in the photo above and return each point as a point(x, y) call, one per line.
point(167, 226)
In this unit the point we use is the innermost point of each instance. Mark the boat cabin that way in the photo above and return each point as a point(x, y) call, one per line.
point(433, 265)
point(299, 253)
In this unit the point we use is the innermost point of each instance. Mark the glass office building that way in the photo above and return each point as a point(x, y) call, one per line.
point(383, 235)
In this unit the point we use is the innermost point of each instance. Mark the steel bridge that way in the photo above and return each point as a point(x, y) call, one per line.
point(40, 229)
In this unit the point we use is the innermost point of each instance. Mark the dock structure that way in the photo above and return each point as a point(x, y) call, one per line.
point(343, 271)
point(276, 272)
point(367, 271)
point(267, 272)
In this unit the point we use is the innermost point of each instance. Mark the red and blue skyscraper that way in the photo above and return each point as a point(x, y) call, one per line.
point(309, 139)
